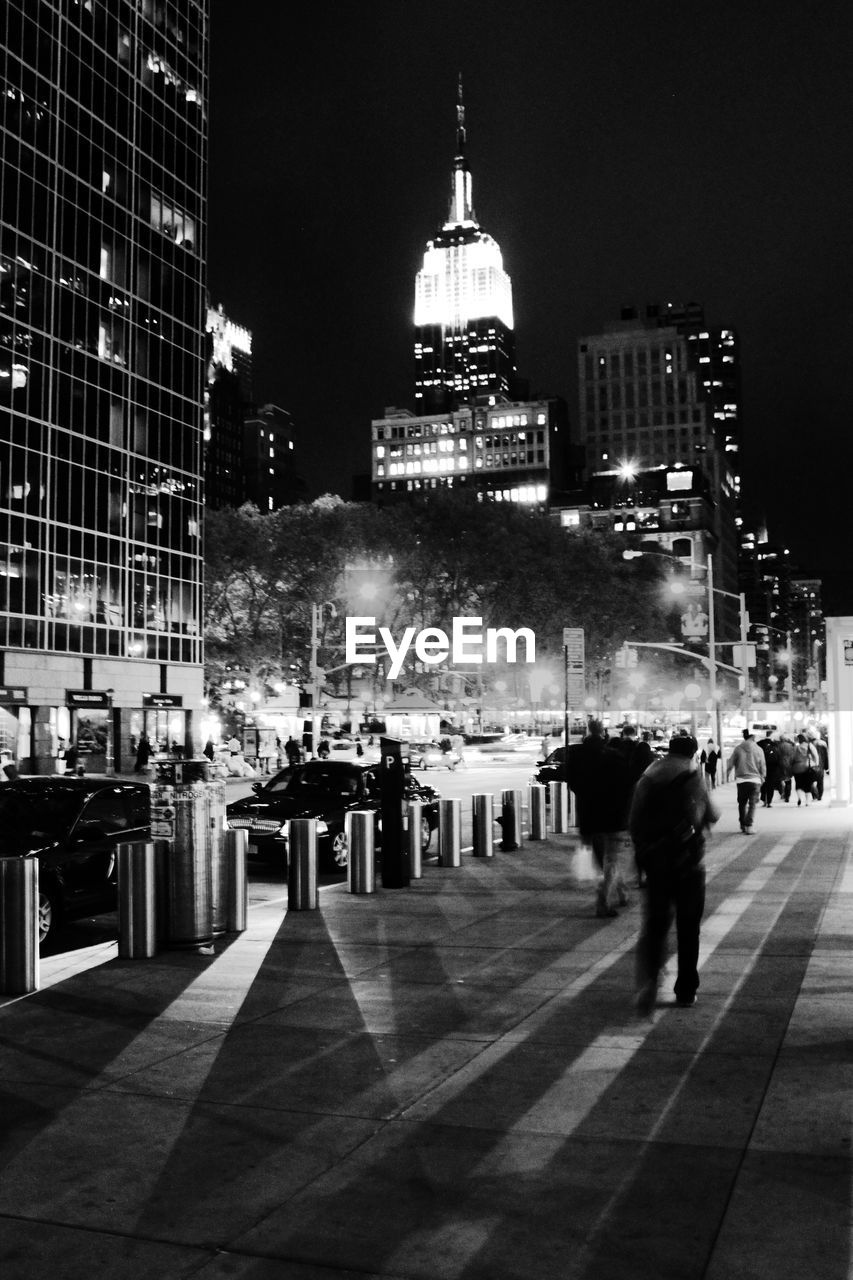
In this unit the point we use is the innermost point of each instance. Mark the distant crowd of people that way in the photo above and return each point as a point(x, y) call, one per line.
point(646, 816)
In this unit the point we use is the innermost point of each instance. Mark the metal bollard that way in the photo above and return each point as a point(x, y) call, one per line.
point(137, 900)
point(235, 848)
point(559, 797)
point(190, 872)
point(19, 941)
point(573, 809)
point(537, 811)
point(162, 854)
point(360, 827)
point(415, 813)
point(450, 833)
point(511, 807)
point(302, 864)
point(483, 813)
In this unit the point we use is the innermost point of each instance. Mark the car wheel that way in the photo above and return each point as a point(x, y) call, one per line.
point(48, 914)
point(426, 833)
point(340, 851)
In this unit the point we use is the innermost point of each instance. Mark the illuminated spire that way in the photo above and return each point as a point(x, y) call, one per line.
point(461, 211)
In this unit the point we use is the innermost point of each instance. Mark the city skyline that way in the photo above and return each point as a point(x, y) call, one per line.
point(621, 155)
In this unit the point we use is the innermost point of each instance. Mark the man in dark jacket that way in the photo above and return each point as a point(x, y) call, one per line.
point(670, 814)
point(600, 779)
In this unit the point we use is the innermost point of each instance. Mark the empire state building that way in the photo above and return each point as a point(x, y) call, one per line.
point(464, 342)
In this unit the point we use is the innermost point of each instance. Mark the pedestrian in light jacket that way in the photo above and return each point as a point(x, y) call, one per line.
point(748, 765)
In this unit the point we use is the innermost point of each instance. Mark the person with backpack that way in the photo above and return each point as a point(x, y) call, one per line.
point(804, 768)
point(772, 783)
point(747, 764)
point(671, 811)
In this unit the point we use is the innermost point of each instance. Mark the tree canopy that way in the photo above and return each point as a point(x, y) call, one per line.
point(415, 565)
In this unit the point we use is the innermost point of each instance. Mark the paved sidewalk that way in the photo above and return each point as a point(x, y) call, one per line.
point(448, 1082)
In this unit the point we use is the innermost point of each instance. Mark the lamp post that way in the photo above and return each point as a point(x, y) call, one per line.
point(316, 671)
point(708, 566)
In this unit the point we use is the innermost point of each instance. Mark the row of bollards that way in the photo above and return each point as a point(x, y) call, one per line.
point(159, 907)
point(360, 831)
point(165, 899)
point(184, 891)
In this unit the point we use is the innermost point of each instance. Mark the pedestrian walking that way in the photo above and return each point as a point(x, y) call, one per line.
point(671, 812)
point(785, 752)
point(709, 760)
point(600, 779)
point(292, 751)
point(747, 764)
point(638, 755)
point(823, 763)
point(209, 750)
point(769, 746)
point(804, 768)
point(143, 753)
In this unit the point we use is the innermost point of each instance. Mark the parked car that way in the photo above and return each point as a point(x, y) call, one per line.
point(326, 790)
point(551, 768)
point(429, 755)
point(73, 826)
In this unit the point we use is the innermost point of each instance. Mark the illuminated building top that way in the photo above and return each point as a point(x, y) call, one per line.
point(227, 338)
point(463, 276)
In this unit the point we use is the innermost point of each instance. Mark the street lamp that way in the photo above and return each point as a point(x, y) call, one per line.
point(708, 566)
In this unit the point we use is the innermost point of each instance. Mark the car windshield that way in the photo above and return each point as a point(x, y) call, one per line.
point(315, 779)
point(24, 811)
point(280, 781)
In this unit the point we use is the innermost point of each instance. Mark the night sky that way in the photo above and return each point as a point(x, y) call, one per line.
point(622, 151)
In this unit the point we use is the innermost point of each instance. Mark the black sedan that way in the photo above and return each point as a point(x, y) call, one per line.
point(326, 790)
point(73, 826)
point(552, 768)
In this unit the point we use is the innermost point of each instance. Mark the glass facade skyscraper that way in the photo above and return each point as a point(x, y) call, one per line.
point(102, 307)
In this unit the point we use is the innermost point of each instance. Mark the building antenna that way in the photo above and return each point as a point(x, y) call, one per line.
point(461, 203)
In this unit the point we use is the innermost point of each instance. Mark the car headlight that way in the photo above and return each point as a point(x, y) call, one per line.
point(322, 828)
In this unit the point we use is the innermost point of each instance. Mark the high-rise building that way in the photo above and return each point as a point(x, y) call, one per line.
point(104, 152)
point(269, 471)
point(661, 390)
point(464, 342)
point(227, 400)
point(508, 451)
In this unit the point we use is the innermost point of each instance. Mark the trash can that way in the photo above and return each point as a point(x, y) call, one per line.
point(19, 945)
point(137, 900)
point(361, 843)
point(179, 773)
